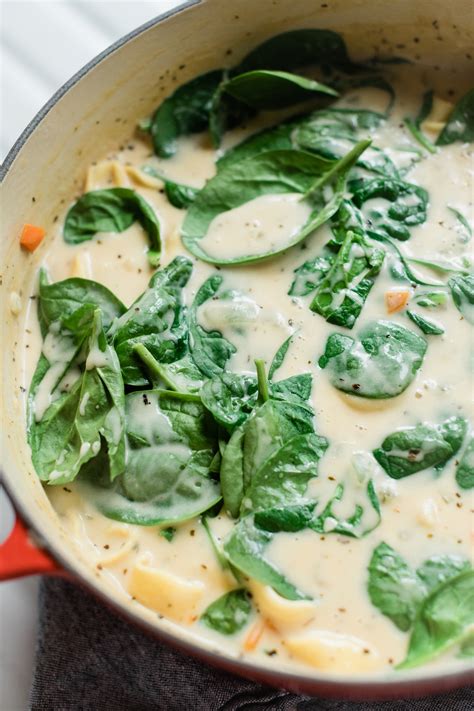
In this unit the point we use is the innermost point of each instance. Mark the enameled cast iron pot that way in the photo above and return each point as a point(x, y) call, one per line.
point(90, 115)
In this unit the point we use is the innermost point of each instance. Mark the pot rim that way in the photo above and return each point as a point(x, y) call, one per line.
point(350, 688)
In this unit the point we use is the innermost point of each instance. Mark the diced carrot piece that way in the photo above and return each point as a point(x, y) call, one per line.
point(31, 237)
point(254, 636)
point(396, 300)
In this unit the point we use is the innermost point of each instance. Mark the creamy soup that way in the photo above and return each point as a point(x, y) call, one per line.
point(270, 443)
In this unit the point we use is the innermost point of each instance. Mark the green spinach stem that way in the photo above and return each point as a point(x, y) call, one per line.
point(263, 391)
point(153, 366)
point(340, 166)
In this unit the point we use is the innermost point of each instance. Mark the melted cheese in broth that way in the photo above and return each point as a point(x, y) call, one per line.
point(339, 630)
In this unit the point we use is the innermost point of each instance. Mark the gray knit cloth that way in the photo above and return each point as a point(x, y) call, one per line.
point(88, 659)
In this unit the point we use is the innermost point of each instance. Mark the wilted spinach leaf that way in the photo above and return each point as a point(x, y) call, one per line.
point(398, 591)
point(112, 210)
point(209, 350)
point(279, 357)
point(291, 518)
point(363, 520)
point(341, 294)
point(406, 205)
point(430, 328)
point(462, 290)
point(464, 228)
point(276, 138)
point(394, 588)
point(465, 468)
point(155, 320)
point(444, 619)
point(412, 449)
point(299, 48)
point(264, 89)
point(69, 432)
point(414, 125)
point(310, 274)
point(283, 477)
point(60, 300)
point(273, 172)
point(230, 397)
point(460, 125)
point(229, 613)
point(245, 549)
point(380, 363)
point(185, 111)
point(179, 195)
point(440, 568)
point(431, 299)
point(171, 441)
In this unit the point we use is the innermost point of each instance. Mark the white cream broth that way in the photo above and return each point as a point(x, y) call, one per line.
point(339, 630)
point(265, 224)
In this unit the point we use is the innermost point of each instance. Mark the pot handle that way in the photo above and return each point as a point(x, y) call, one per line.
point(21, 556)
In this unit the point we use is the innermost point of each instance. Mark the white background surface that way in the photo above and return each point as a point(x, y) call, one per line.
point(43, 43)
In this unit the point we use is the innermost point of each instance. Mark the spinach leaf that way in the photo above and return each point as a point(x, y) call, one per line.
point(171, 488)
point(264, 89)
point(270, 426)
point(464, 228)
point(168, 533)
point(414, 125)
point(226, 112)
point(310, 274)
point(232, 472)
point(283, 477)
point(328, 132)
point(69, 433)
point(430, 328)
point(465, 468)
point(296, 388)
point(394, 588)
point(209, 350)
point(215, 544)
point(462, 291)
point(253, 442)
point(185, 111)
point(245, 549)
point(341, 294)
point(406, 206)
point(412, 449)
point(318, 131)
point(179, 195)
point(361, 522)
point(182, 375)
point(380, 363)
point(333, 132)
point(230, 397)
point(401, 268)
point(279, 357)
point(460, 125)
point(155, 320)
point(444, 619)
point(290, 519)
point(60, 300)
point(171, 441)
point(229, 613)
point(273, 172)
point(276, 138)
point(112, 210)
point(440, 568)
point(431, 299)
point(299, 48)
point(398, 591)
